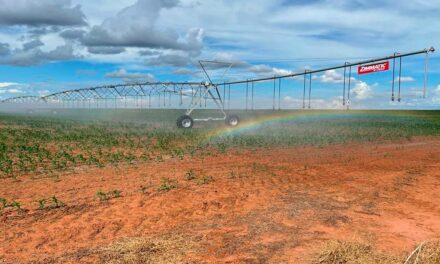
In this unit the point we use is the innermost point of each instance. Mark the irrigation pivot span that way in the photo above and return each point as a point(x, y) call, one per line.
point(201, 92)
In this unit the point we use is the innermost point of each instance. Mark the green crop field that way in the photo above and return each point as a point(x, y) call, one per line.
point(44, 144)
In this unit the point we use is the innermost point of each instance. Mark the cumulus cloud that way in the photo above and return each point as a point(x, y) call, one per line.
point(331, 76)
point(268, 71)
point(32, 44)
point(222, 60)
point(177, 60)
point(134, 26)
point(229, 58)
point(4, 49)
point(183, 71)
point(40, 13)
point(73, 34)
point(149, 52)
point(42, 93)
point(7, 84)
point(35, 56)
point(10, 87)
point(404, 79)
point(362, 90)
point(131, 77)
point(106, 50)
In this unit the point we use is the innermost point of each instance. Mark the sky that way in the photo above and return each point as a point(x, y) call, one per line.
point(53, 45)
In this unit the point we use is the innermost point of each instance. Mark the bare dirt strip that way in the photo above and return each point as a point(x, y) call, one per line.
point(263, 206)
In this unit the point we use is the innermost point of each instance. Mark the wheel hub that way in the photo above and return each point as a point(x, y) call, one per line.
point(186, 123)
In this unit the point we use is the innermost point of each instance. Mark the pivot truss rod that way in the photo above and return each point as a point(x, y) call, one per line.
point(202, 91)
point(120, 91)
point(24, 99)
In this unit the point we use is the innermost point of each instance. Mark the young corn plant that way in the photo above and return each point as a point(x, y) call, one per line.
point(143, 189)
point(15, 205)
point(56, 203)
point(41, 204)
point(167, 185)
point(190, 175)
point(205, 180)
point(105, 196)
point(3, 203)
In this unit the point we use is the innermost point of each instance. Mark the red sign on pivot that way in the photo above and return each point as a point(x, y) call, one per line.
point(377, 67)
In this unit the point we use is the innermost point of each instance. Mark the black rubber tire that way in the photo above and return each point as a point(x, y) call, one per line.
point(185, 122)
point(232, 120)
point(179, 122)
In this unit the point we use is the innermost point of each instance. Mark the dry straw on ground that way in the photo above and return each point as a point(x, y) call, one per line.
point(343, 252)
point(169, 249)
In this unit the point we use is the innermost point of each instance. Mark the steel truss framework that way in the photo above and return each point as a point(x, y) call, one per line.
point(24, 99)
point(199, 91)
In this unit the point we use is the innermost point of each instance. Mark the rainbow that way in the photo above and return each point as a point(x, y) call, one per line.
point(267, 120)
point(290, 117)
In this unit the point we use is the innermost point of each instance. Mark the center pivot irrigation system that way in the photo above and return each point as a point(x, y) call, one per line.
point(210, 90)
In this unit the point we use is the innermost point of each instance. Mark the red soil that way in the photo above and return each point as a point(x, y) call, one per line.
point(269, 205)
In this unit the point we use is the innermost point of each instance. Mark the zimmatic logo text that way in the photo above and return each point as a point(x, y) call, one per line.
point(377, 67)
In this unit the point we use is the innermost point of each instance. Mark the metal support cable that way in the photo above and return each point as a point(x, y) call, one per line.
point(229, 97)
point(400, 78)
point(304, 91)
point(348, 89)
point(247, 88)
point(426, 75)
point(252, 105)
point(279, 94)
point(392, 84)
point(224, 92)
point(310, 89)
point(343, 89)
point(273, 97)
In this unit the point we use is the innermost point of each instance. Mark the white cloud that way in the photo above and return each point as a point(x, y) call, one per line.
point(362, 90)
point(35, 56)
point(273, 35)
point(14, 90)
point(183, 71)
point(9, 87)
point(405, 79)
point(7, 84)
point(40, 13)
point(134, 26)
point(331, 76)
point(44, 92)
point(131, 77)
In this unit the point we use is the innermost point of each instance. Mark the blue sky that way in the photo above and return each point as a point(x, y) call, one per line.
point(87, 43)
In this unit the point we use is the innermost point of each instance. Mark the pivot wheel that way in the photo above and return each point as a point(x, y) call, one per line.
point(185, 121)
point(232, 120)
